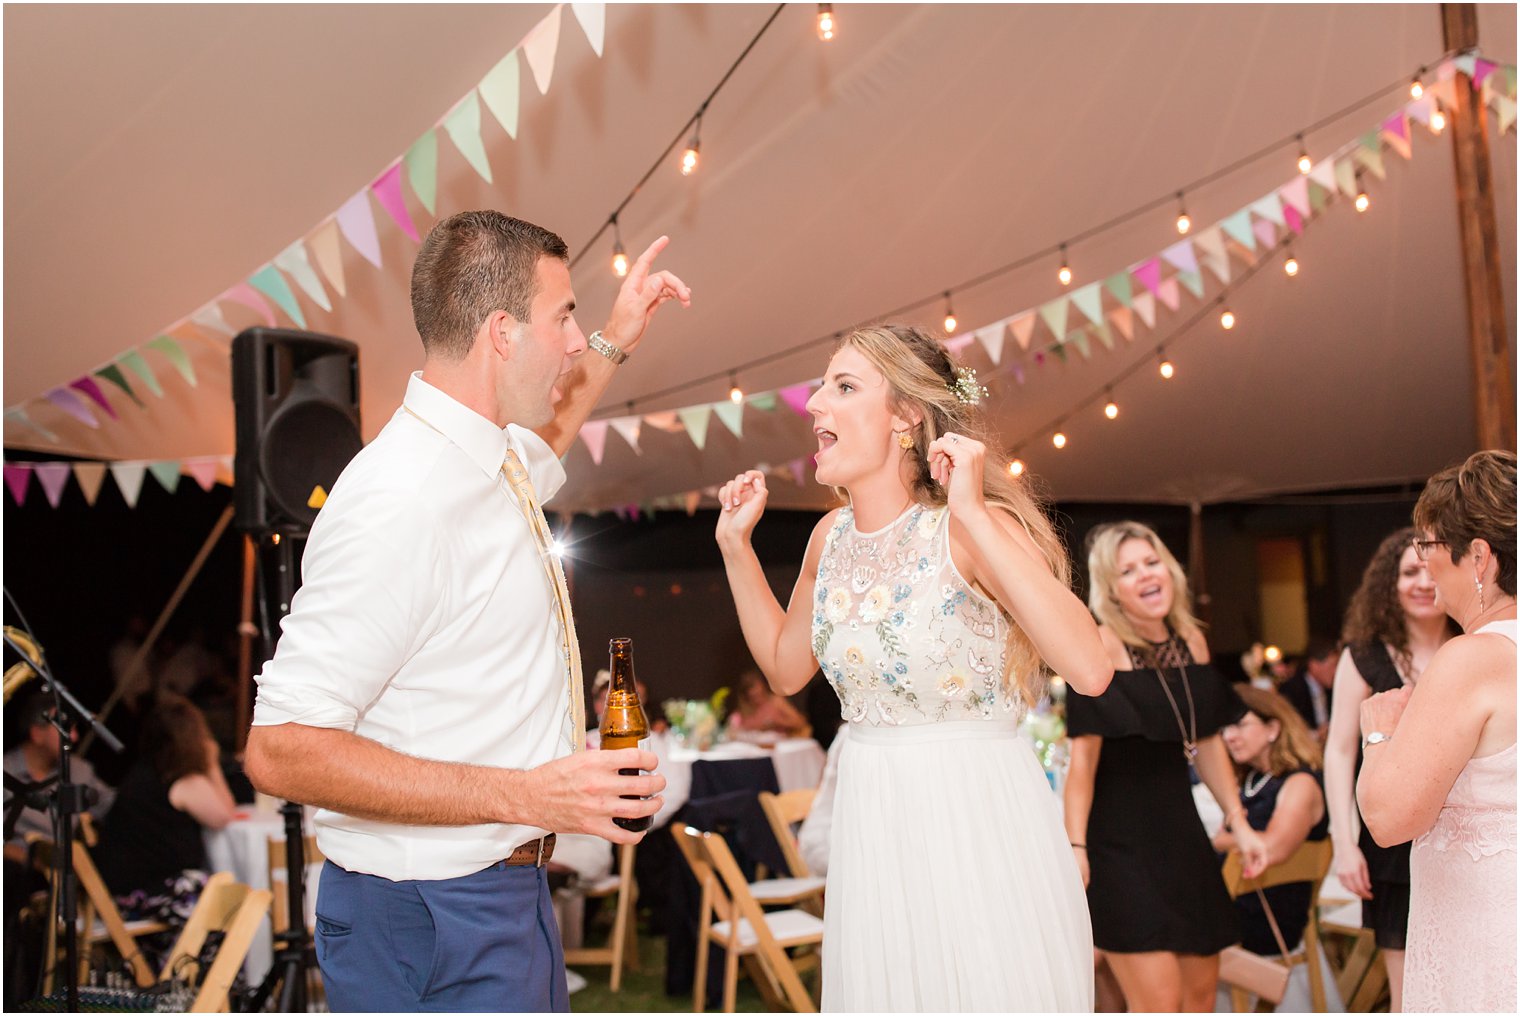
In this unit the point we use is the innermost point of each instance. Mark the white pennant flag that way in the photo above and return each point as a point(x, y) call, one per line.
point(628, 428)
point(129, 479)
point(539, 46)
point(991, 339)
point(593, 19)
point(294, 263)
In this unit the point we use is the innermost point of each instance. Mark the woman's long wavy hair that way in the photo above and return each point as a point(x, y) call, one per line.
point(1295, 747)
point(1374, 614)
point(1103, 545)
point(174, 738)
point(921, 375)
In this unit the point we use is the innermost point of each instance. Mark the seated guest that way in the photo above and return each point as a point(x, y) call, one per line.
point(757, 709)
point(1279, 762)
point(813, 836)
point(152, 851)
point(36, 759)
point(1308, 689)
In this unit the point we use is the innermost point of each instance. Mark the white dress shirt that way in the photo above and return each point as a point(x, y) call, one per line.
point(426, 622)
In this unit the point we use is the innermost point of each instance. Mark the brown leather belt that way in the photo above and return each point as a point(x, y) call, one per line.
point(534, 852)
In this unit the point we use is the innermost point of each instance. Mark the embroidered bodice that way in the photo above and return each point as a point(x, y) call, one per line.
point(899, 633)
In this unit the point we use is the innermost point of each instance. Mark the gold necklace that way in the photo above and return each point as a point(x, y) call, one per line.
point(1190, 732)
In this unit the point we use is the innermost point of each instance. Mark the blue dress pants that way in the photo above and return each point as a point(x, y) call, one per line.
point(486, 942)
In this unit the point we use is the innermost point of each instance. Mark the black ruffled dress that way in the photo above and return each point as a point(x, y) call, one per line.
point(1156, 882)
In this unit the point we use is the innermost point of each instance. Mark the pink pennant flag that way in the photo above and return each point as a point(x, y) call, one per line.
point(798, 468)
point(66, 400)
point(52, 476)
point(539, 46)
point(958, 344)
point(1149, 273)
point(89, 387)
point(594, 433)
point(1397, 126)
point(1296, 195)
point(387, 188)
point(796, 396)
point(1419, 109)
point(203, 470)
point(1023, 329)
point(325, 248)
point(1145, 305)
point(1169, 292)
point(1294, 220)
point(1124, 320)
point(1018, 373)
point(1266, 233)
point(1481, 70)
point(17, 478)
point(246, 295)
point(1181, 256)
point(357, 223)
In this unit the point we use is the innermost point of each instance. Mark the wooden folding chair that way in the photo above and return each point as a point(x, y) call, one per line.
point(236, 911)
point(99, 918)
point(745, 931)
point(784, 811)
point(622, 946)
point(1309, 863)
point(1362, 975)
point(279, 913)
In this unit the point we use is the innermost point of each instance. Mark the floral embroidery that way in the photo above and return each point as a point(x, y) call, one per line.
point(839, 605)
point(952, 685)
point(874, 607)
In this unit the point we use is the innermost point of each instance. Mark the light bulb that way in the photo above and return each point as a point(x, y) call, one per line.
point(1363, 202)
point(950, 321)
point(1291, 266)
point(1016, 467)
point(689, 158)
point(1437, 121)
point(736, 394)
point(1227, 319)
point(825, 22)
point(1111, 410)
point(1064, 275)
point(619, 260)
point(1304, 163)
point(1183, 222)
point(1416, 89)
point(1058, 439)
point(1167, 370)
point(1272, 654)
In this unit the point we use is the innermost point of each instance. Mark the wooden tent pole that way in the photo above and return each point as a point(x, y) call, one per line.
point(1488, 342)
point(1198, 577)
point(247, 632)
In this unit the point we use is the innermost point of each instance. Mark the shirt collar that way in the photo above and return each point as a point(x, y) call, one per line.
point(481, 440)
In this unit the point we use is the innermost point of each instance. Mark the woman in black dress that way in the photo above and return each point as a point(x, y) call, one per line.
point(1160, 911)
point(1393, 627)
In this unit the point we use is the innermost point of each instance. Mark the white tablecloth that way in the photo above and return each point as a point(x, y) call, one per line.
point(799, 766)
point(242, 849)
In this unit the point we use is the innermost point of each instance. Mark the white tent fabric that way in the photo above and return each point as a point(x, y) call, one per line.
point(156, 156)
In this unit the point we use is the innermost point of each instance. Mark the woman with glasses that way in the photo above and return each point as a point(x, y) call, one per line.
point(1440, 757)
point(1393, 628)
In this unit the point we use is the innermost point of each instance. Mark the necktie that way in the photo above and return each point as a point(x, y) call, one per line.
point(517, 476)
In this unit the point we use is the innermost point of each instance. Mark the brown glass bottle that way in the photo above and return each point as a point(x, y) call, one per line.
point(623, 724)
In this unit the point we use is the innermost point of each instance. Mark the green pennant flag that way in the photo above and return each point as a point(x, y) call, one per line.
point(271, 283)
point(1369, 152)
point(1238, 226)
point(1078, 338)
point(422, 170)
point(166, 473)
point(500, 90)
point(171, 349)
point(1318, 198)
point(1089, 300)
point(463, 125)
point(695, 419)
point(133, 361)
point(113, 374)
point(1054, 314)
point(732, 416)
point(765, 401)
point(1193, 281)
point(1105, 335)
point(1121, 286)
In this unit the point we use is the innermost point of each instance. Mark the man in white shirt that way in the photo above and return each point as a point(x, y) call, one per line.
point(426, 689)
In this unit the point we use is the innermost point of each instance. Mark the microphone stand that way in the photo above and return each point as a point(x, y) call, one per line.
point(69, 800)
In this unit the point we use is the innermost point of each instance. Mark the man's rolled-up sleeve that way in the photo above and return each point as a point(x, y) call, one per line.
point(371, 591)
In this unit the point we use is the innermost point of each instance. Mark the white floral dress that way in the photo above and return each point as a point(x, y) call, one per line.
point(951, 885)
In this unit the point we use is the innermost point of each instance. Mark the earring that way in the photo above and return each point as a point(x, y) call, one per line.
point(1479, 583)
point(904, 440)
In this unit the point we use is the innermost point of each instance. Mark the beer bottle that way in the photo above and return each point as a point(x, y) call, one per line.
point(623, 724)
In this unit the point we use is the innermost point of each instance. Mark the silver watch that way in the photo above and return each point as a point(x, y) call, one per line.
point(607, 349)
point(1376, 737)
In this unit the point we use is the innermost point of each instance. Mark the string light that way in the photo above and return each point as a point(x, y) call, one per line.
point(1415, 88)
point(950, 321)
point(1112, 409)
point(1227, 319)
point(1304, 162)
point(1184, 223)
point(1058, 439)
point(1166, 370)
point(735, 393)
point(1290, 266)
point(619, 255)
point(826, 24)
point(1065, 273)
point(1437, 120)
point(1016, 467)
point(1363, 202)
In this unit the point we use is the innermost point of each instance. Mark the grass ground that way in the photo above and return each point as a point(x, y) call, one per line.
point(643, 990)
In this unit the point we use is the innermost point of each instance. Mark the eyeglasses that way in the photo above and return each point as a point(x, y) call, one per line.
point(1422, 547)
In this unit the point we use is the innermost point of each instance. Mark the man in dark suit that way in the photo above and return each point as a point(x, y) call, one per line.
point(1309, 688)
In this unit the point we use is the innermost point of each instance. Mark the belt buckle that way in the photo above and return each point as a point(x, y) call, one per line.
point(539, 861)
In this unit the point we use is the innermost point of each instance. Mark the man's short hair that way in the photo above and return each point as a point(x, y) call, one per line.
point(471, 265)
point(1320, 647)
point(36, 710)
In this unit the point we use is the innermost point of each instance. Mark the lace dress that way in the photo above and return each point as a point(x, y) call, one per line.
point(1462, 910)
point(951, 885)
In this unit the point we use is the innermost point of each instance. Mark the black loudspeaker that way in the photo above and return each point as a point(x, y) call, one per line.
point(296, 396)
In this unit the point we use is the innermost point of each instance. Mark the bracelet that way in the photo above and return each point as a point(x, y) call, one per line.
point(1079, 846)
point(607, 349)
point(1229, 821)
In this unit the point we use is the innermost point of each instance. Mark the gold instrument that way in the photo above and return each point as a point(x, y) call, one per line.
point(20, 673)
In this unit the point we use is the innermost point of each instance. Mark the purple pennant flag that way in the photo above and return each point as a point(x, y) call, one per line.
point(357, 224)
point(90, 388)
point(17, 478)
point(798, 468)
point(796, 396)
point(72, 404)
point(387, 188)
point(51, 477)
point(1018, 374)
point(1295, 221)
point(1149, 274)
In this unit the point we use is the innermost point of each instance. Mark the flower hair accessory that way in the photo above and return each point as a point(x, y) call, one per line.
point(965, 388)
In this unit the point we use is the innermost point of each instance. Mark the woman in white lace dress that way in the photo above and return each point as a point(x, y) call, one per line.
point(1440, 759)
point(928, 601)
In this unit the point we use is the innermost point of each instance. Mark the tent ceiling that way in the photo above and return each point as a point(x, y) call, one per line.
point(157, 155)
